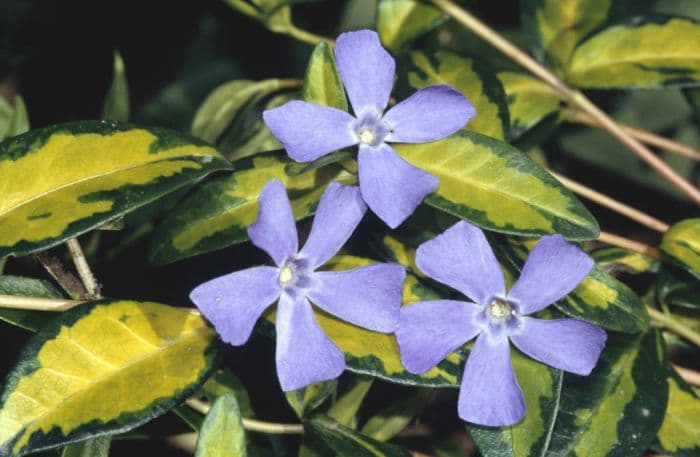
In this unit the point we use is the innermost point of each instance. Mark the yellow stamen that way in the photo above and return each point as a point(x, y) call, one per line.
point(367, 136)
point(286, 274)
point(499, 309)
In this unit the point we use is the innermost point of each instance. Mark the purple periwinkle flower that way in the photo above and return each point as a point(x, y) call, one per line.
point(462, 259)
point(391, 186)
point(368, 297)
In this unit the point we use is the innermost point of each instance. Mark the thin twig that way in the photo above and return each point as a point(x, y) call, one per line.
point(67, 280)
point(692, 377)
point(579, 117)
point(76, 252)
point(571, 96)
point(632, 245)
point(37, 304)
point(669, 323)
point(185, 442)
point(610, 203)
point(252, 424)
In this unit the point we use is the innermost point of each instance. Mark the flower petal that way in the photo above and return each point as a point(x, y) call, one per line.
point(462, 258)
point(275, 231)
point(490, 394)
point(366, 68)
point(304, 354)
point(432, 113)
point(234, 302)
point(339, 211)
point(369, 297)
point(309, 131)
point(568, 344)
point(430, 330)
point(392, 187)
point(554, 268)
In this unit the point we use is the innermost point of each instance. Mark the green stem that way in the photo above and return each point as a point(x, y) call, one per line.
point(3, 261)
point(252, 424)
point(305, 36)
point(669, 323)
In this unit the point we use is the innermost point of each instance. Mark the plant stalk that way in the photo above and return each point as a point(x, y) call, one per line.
point(579, 117)
point(632, 245)
point(252, 424)
point(669, 323)
point(692, 377)
point(610, 203)
point(76, 252)
point(37, 304)
point(570, 95)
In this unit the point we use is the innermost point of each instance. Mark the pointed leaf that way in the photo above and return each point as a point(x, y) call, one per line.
point(556, 27)
point(116, 104)
point(530, 101)
point(13, 119)
point(305, 400)
point(64, 180)
point(322, 84)
point(345, 441)
point(682, 244)
point(473, 78)
point(218, 214)
point(646, 52)
point(346, 406)
point(222, 433)
point(496, 187)
point(102, 368)
point(391, 420)
point(401, 21)
point(617, 410)
point(226, 101)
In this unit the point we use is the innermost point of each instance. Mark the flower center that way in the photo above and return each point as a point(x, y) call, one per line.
point(286, 275)
point(367, 136)
point(370, 129)
point(499, 310)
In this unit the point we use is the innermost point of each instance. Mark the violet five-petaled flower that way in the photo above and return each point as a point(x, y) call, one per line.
point(391, 187)
point(368, 297)
point(462, 259)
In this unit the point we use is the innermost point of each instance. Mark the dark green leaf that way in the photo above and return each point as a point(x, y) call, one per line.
point(94, 447)
point(27, 287)
point(346, 442)
point(617, 410)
